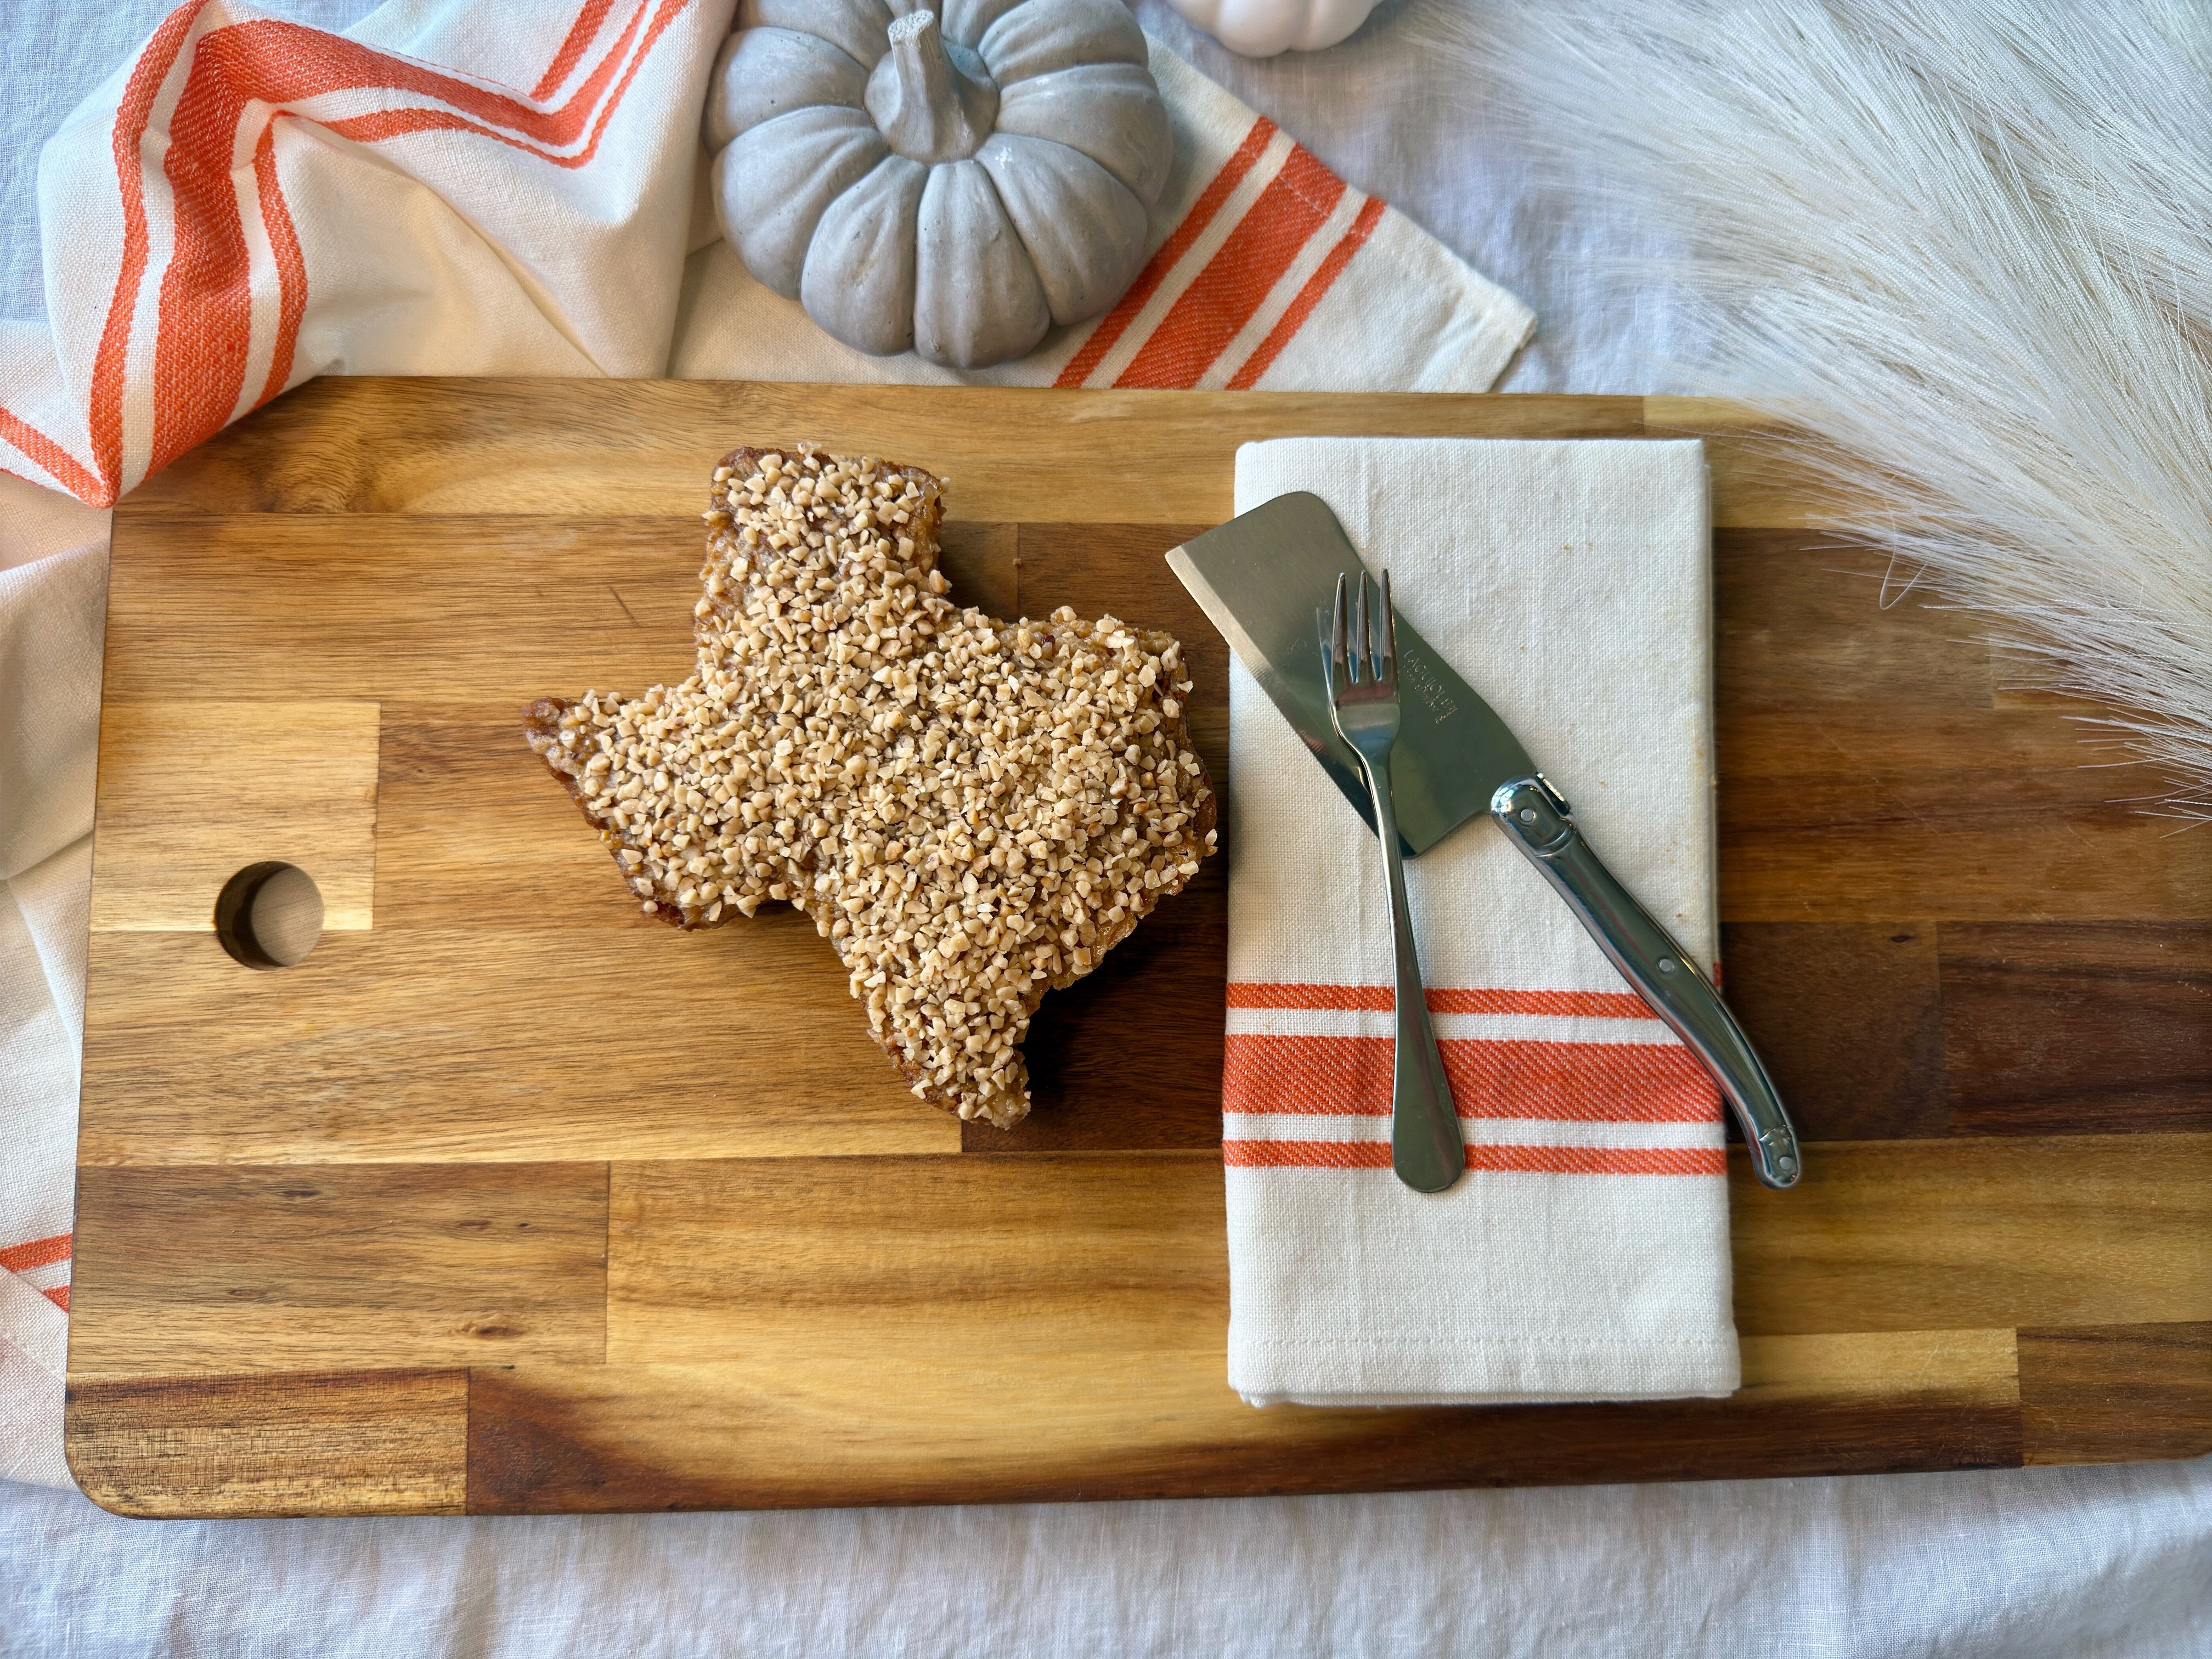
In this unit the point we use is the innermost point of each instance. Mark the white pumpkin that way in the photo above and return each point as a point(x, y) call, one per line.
point(952, 187)
point(1261, 29)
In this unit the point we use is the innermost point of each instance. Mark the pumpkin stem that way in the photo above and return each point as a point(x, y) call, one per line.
point(932, 100)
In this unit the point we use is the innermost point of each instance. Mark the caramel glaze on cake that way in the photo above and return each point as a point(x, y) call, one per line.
point(973, 812)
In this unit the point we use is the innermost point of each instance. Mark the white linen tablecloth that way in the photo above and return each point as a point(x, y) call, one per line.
point(2078, 1562)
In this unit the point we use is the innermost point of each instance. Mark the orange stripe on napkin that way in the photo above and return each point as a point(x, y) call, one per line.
point(1502, 1159)
point(1308, 296)
point(39, 1253)
point(132, 116)
point(291, 265)
point(581, 33)
point(1567, 1082)
point(1603, 1005)
point(1202, 211)
point(59, 465)
point(1237, 279)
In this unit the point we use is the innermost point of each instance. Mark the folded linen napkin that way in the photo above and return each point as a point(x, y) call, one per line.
point(1584, 1255)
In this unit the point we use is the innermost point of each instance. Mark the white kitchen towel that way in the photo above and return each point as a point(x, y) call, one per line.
point(1584, 1255)
point(451, 188)
point(492, 188)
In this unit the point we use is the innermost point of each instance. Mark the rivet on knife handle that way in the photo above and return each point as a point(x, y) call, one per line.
point(1541, 824)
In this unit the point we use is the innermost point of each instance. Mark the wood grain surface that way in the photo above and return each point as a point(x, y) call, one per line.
point(506, 1199)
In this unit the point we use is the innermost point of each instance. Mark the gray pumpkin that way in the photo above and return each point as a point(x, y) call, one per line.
point(953, 186)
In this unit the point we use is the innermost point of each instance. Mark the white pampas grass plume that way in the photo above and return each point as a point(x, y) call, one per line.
point(1967, 245)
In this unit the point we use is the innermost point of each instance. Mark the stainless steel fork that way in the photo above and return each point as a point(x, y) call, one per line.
point(1425, 1148)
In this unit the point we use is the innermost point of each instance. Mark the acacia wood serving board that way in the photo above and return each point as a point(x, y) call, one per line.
point(508, 1199)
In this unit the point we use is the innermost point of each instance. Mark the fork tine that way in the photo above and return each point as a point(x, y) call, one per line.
point(1361, 673)
point(1338, 673)
point(1389, 635)
point(1372, 634)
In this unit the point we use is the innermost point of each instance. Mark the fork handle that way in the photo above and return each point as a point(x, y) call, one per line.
point(1538, 822)
point(1427, 1150)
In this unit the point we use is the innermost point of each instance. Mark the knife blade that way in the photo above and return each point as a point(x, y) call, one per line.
point(1452, 753)
point(1262, 578)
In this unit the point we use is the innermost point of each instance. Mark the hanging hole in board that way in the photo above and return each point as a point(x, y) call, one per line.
point(268, 915)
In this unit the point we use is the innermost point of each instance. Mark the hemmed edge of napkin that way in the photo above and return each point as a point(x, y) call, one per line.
point(1705, 1369)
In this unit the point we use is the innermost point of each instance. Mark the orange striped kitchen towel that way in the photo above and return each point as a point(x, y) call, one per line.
point(253, 202)
point(1267, 270)
point(1584, 1255)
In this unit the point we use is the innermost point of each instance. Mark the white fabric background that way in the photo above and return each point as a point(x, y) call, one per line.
point(2019, 1563)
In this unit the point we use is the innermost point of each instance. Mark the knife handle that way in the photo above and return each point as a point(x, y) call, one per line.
point(1541, 824)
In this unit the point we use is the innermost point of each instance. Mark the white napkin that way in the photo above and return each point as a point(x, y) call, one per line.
point(1584, 1255)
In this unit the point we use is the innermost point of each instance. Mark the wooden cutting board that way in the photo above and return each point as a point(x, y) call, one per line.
point(507, 1199)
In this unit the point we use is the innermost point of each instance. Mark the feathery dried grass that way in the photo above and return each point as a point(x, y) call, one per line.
point(1968, 247)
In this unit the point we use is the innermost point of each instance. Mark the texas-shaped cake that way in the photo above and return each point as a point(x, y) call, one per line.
point(973, 812)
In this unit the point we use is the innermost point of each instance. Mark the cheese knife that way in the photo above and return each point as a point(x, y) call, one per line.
point(1266, 578)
